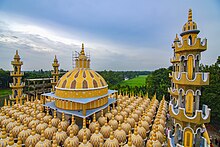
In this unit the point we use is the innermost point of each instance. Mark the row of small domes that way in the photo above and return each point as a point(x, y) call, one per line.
point(123, 118)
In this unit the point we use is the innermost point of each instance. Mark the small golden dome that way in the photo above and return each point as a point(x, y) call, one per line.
point(55, 121)
point(92, 125)
point(124, 113)
point(72, 140)
point(11, 141)
point(81, 132)
point(60, 135)
point(120, 135)
point(23, 115)
point(33, 138)
point(105, 130)
point(17, 129)
point(135, 116)
point(43, 142)
point(23, 135)
point(49, 131)
point(6, 121)
point(119, 117)
point(41, 114)
point(131, 121)
point(54, 144)
point(190, 25)
point(41, 126)
point(35, 121)
point(145, 125)
point(19, 142)
point(111, 142)
point(4, 139)
point(129, 144)
point(47, 117)
point(11, 124)
point(2, 116)
point(108, 114)
point(97, 137)
point(74, 127)
point(114, 111)
point(141, 131)
point(155, 141)
point(85, 143)
point(113, 123)
point(136, 138)
point(64, 124)
point(28, 119)
point(126, 126)
point(101, 119)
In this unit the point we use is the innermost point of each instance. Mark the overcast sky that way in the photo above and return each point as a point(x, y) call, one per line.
point(118, 34)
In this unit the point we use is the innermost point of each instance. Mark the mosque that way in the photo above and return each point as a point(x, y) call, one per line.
point(62, 117)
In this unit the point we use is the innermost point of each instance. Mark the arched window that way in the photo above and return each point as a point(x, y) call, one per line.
point(190, 40)
point(64, 84)
point(73, 84)
point(85, 84)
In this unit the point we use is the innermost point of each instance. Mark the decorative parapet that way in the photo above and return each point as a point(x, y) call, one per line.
point(174, 60)
point(173, 92)
point(200, 116)
point(12, 85)
point(185, 46)
point(181, 78)
point(16, 74)
point(16, 62)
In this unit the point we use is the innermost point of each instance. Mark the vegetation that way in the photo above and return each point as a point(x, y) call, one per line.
point(137, 81)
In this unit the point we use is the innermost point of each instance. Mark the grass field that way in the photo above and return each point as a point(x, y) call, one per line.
point(138, 81)
point(5, 92)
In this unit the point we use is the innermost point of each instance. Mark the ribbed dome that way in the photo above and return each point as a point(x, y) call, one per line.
point(23, 135)
point(72, 140)
point(43, 142)
point(120, 135)
point(49, 131)
point(33, 138)
point(81, 131)
point(97, 137)
point(74, 127)
point(60, 135)
point(111, 142)
point(83, 79)
point(92, 125)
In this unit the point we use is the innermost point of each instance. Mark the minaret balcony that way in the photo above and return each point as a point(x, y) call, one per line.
point(55, 73)
point(199, 117)
point(16, 74)
point(17, 63)
point(173, 92)
point(181, 78)
point(174, 60)
point(21, 85)
point(197, 46)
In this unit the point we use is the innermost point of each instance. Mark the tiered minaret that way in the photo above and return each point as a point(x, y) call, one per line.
point(17, 85)
point(186, 81)
point(55, 73)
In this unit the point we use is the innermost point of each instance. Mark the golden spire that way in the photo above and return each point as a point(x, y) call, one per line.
point(82, 51)
point(84, 123)
point(5, 104)
point(84, 137)
point(63, 117)
point(96, 128)
point(55, 59)
point(71, 132)
point(190, 15)
point(33, 132)
point(54, 141)
point(55, 114)
point(111, 134)
point(135, 129)
point(129, 139)
point(42, 136)
point(73, 120)
point(94, 118)
point(19, 143)
point(4, 135)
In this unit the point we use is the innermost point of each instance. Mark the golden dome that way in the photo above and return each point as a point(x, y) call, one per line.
point(190, 25)
point(135, 116)
point(49, 131)
point(126, 126)
point(23, 115)
point(60, 135)
point(155, 141)
point(19, 142)
point(108, 114)
point(2, 117)
point(4, 139)
point(101, 119)
point(10, 125)
point(141, 131)
point(23, 135)
point(111, 142)
point(54, 144)
point(120, 135)
point(55, 121)
point(145, 124)
point(119, 117)
point(6, 121)
point(43, 142)
point(92, 125)
point(97, 137)
point(33, 138)
point(72, 140)
point(114, 111)
point(81, 132)
point(113, 123)
point(81, 79)
point(35, 121)
point(47, 117)
point(129, 144)
point(85, 143)
point(41, 114)
point(11, 141)
point(105, 130)
point(64, 124)
point(17, 129)
point(136, 138)
point(74, 127)
point(41, 126)
point(131, 121)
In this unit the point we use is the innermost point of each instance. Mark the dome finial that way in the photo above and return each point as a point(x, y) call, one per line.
point(82, 51)
point(190, 15)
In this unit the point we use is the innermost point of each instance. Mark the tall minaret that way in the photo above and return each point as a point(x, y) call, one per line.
point(55, 73)
point(17, 85)
point(185, 91)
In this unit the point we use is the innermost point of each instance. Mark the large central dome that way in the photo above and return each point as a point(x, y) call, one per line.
point(81, 86)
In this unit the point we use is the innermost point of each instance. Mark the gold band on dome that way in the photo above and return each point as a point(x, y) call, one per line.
point(81, 89)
